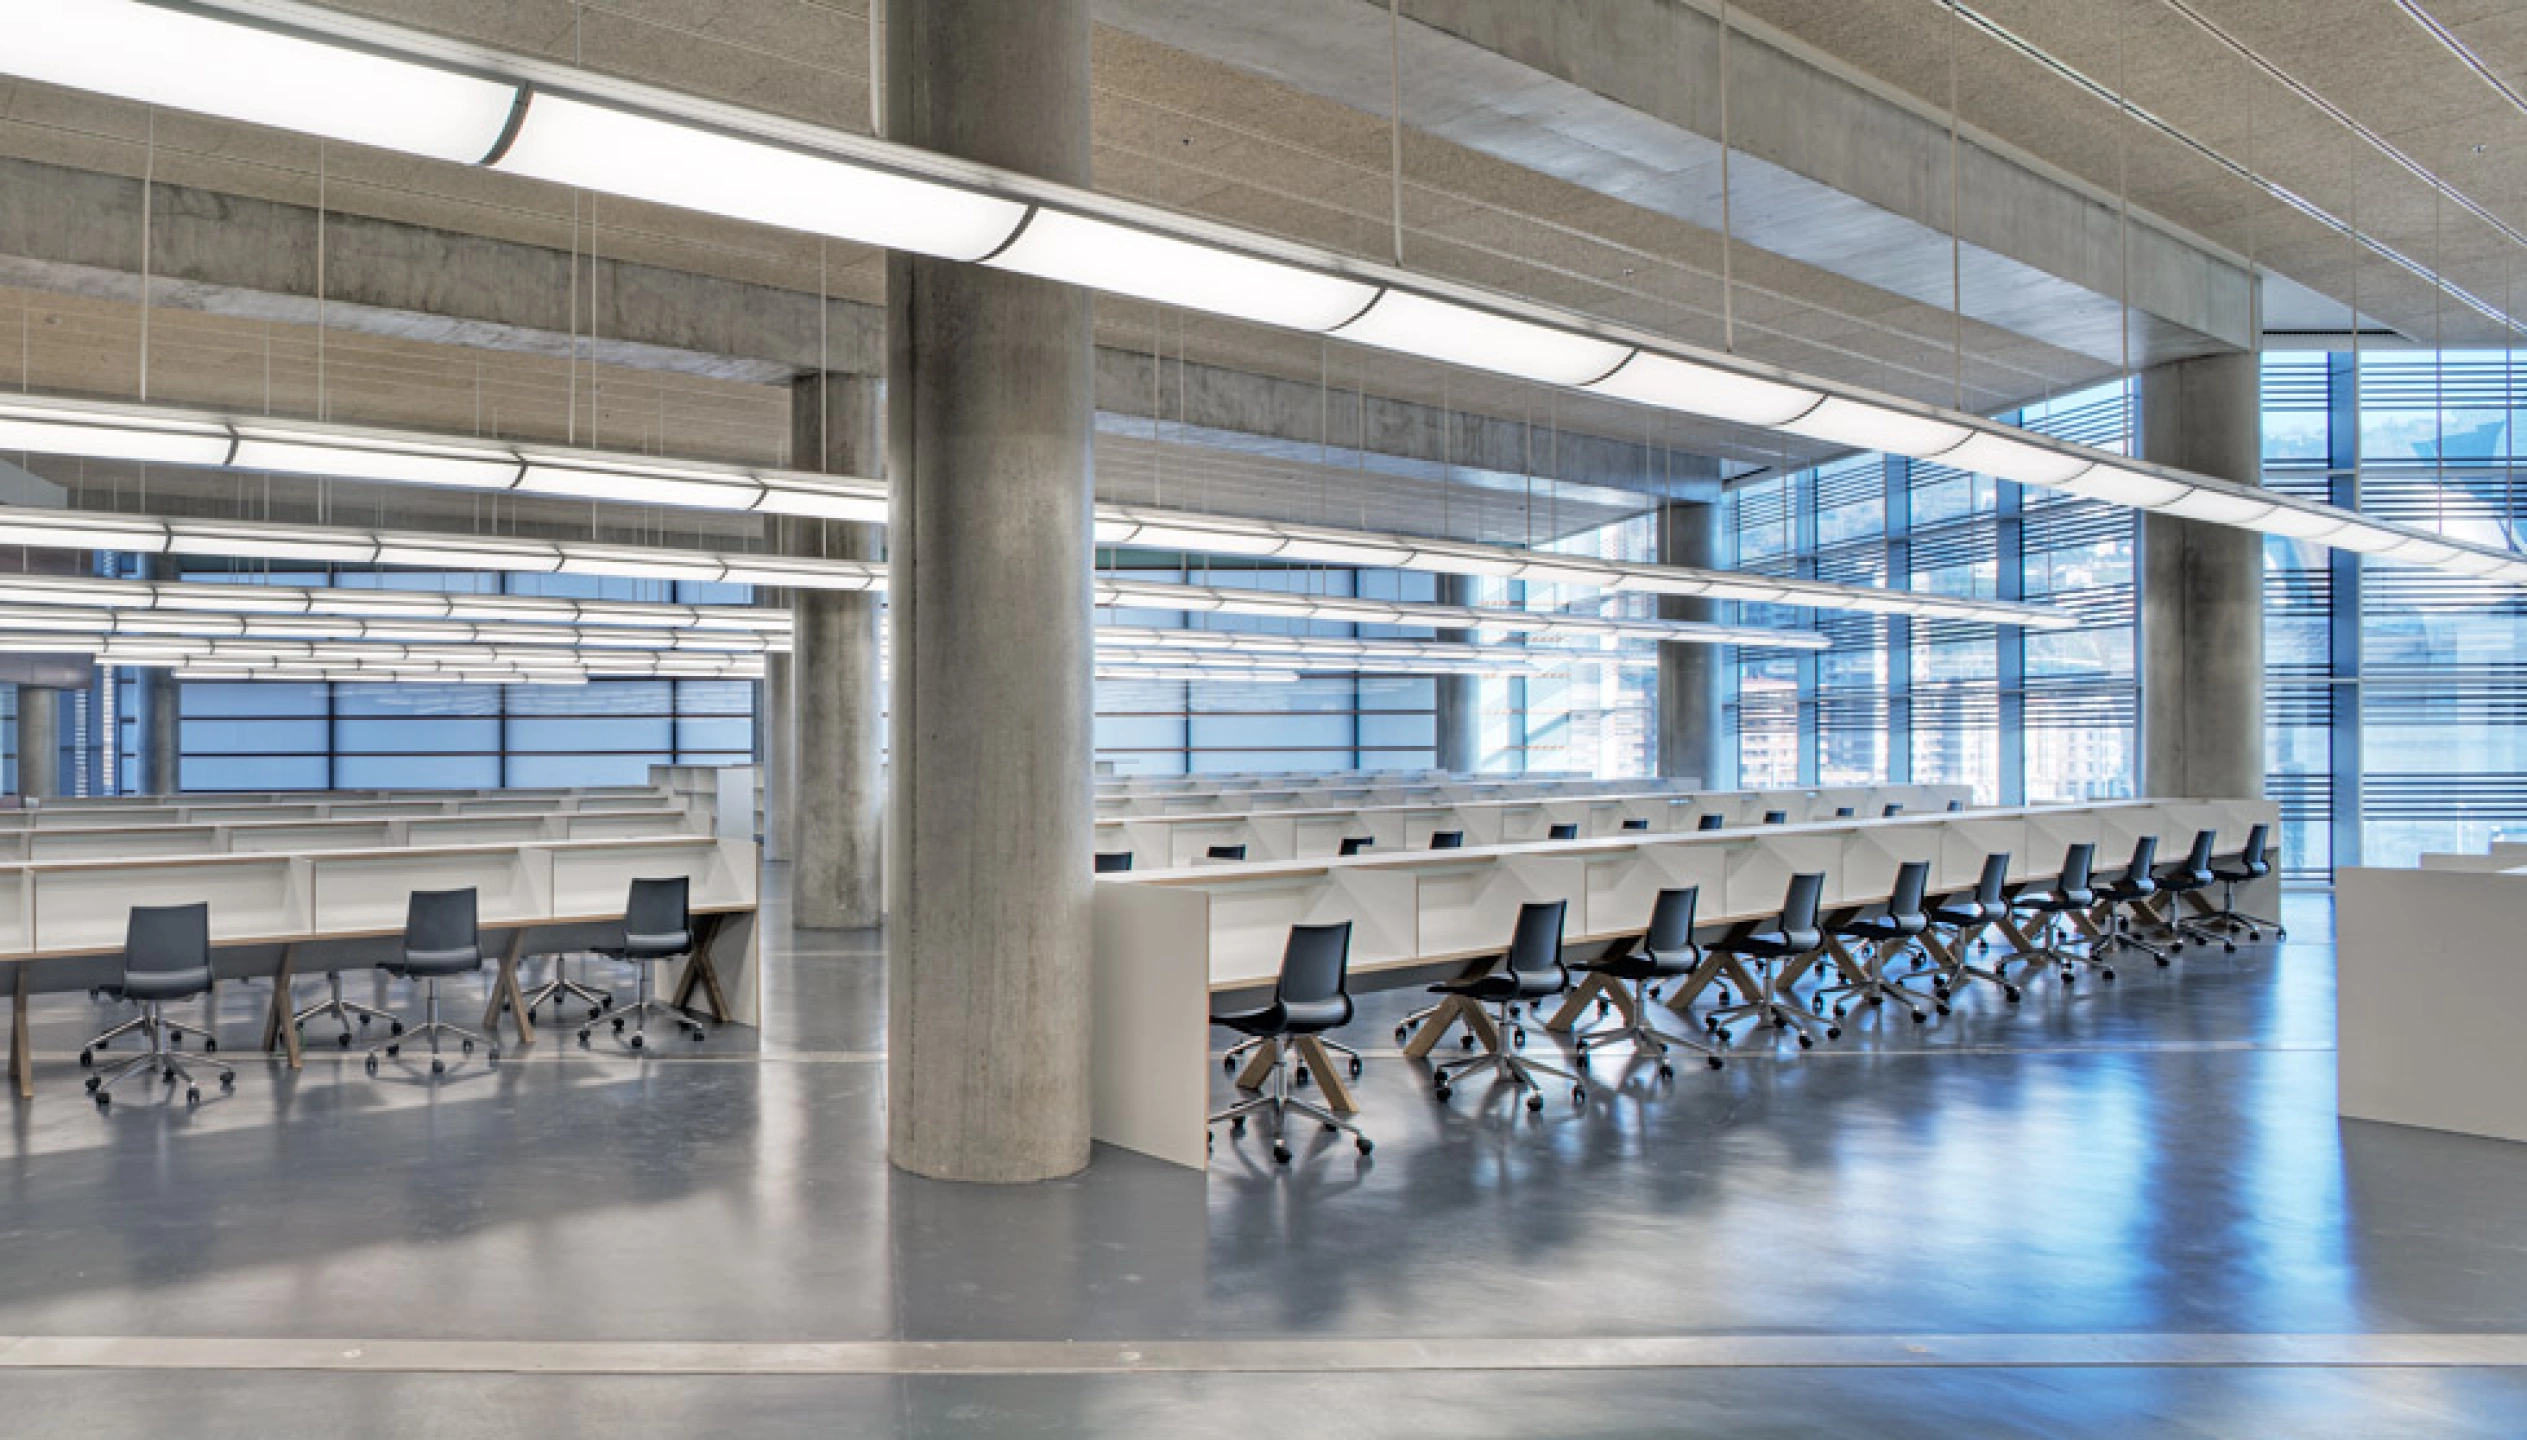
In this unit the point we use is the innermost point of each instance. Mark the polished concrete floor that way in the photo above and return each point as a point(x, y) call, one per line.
point(2087, 1215)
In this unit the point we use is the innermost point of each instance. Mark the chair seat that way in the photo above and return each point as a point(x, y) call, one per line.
point(427, 963)
point(1969, 913)
point(1773, 946)
point(2238, 874)
point(1496, 987)
point(161, 985)
point(1883, 928)
point(1277, 1019)
point(1642, 966)
point(2076, 900)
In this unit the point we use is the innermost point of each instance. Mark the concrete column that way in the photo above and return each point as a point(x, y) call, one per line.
point(989, 404)
point(161, 709)
point(39, 742)
point(837, 782)
point(775, 724)
point(1459, 699)
point(2202, 589)
point(1691, 728)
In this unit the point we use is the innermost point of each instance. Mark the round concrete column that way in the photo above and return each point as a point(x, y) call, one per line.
point(162, 726)
point(1690, 723)
point(2202, 589)
point(39, 742)
point(991, 820)
point(1458, 699)
point(835, 787)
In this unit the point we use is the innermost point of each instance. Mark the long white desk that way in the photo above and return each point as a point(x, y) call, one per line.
point(264, 833)
point(1168, 842)
point(1168, 941)
point(2428, 989)
point(278, 914)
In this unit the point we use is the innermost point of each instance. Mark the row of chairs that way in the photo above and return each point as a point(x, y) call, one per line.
point(1757, 973)
point(167, 958)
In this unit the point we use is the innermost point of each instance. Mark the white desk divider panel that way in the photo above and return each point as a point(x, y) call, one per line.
point(17, 910)
point(2428, 991)
point(1761, 864)
point(1965, 838)
point(252, 897)
point(1471, 905)
point(1623, 883)
point(633, 824)
point(372, 890)
point(1150, 995)
point(1871, 855)
point(121, 844)
point(333, 834)
point(1249, 920)
point(478, 830)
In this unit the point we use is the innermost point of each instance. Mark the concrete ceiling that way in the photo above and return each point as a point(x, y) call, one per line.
point(1565, 152)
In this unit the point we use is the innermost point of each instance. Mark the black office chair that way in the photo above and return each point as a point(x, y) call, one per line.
point(1796, 935)
point(1447, 839)
point(2119, 899)
point(2072, 894)
point(1955, 805)
point(1562, 832)
point(166, 956)
point(1666, 952)
point(1844, 812)
point(1711, 822)
point(1776, 817)
point(1891, 934)
point(1532, 970)
point(1310, 998)
point(1354, 844)
point(657, 926)
point(2253, 862)
point(1965, 917)
point(1636, 823)
point(1225, 852)
point(1891, 811)
point(440, 940)
point(2189, 876)
point(1110, 862)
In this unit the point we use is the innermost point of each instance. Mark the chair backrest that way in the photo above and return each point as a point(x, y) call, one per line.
point(1912, 878)
point(2077, 861)
point(1314, 964)
point(168, 940)
point(440, 923)
point(1776, 817)
point(657, 916)
point(1671, 922)
point(1995, 877)
point(1711, 822)
point(1225, 852)
point(1892, 809)
point(1636, 823)
point(2144, 855)
point(1844, 812)
point(1354, 844)
point(2258, 841)
point(1562, 832)
point(2198, 859)
point(1535, 947)
point(1956, 804)
point(1447, 839)
point(1799, 905)
point(1113, 862)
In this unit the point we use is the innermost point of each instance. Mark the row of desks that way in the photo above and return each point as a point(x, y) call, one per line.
point(62, 924)
point(1168, 842)
point(1314, 794)
point(128, 811)
point(1167, 942)
point(235, 833)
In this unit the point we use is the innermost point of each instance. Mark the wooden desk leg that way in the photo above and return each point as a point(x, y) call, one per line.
point(279, 1030)
point(1574, 1004)
point(699, 971)
point(1327, 1075)
point(505, 991)
point(1679, 1001)
point(1446, 1013)
point(21, 1053)
point(1479, 1020)
point(1259, 1065)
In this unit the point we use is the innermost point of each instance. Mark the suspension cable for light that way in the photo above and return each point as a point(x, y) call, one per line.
point(303, 68)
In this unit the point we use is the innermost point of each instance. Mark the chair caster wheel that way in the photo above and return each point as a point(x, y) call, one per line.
point(2162, 961)
point(1518, 1038)
point(87, 1058)
point(1401, 1031)
point(1579, 1095)
point(696, 1033)
point(1833, 1032)
point(1603, 1007)
point(1355, 1067)
point(1229, 1063)
point(618, 1024)
point(372, 1065)
point(174, 1036)
point(1362, 1145)
point(1535, 1102)
point(437, 1066)
point(1581, 1060)
point(1298, 1075)
point(583, 1034)
point(104, 1101)
point(1666, 1071)
point(534, 1017)
point(1237, 1126)
point(2013, 993)
point(2229, 949)
point(93, 1082)
point(1919, 1018)
point(1806, 1044)
point(636, 1042)
point(344, 1041)
point(228, 1081)
point(1280, 1154)
point(1440, 1094)
point(394, 1049)
point(469, 1047)
point(397, 1029)
point(1714, 1062)
point(594, 1012)
point(167, 1078)
point(1945, 1010)
point(2109, 974)
point(1465, 1042)
point(192, 1094)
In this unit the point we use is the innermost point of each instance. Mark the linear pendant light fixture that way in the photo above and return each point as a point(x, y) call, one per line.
point(110, 430)
point(312, 544)
point(274, 62)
